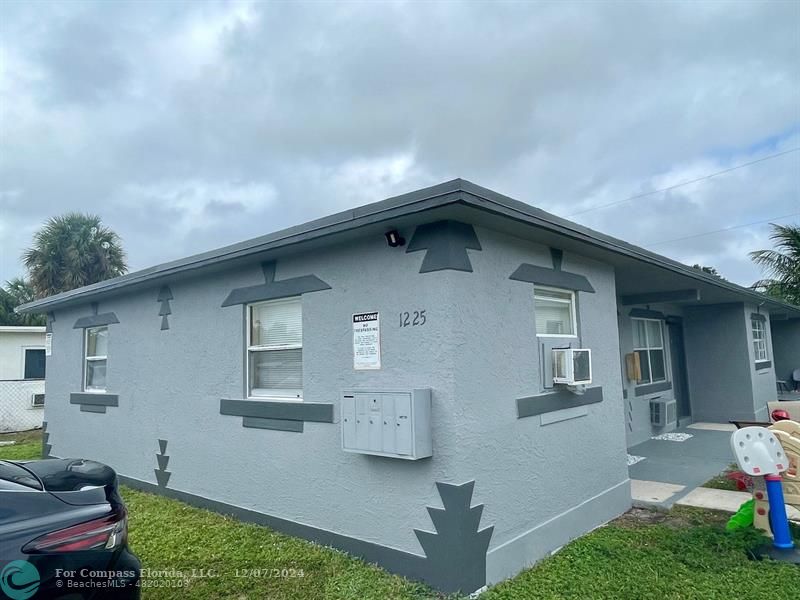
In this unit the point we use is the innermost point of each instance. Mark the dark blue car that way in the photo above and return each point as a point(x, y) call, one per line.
point(63, 532)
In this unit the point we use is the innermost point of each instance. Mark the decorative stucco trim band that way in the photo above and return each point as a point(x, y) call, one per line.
point(274, 290)
point(96, 321)
point(276, 424)
point(456, 553)
point(551, 277)
point(652, 388)
point(320, 412)
point(162, 475)
point(95, 403)
point(96, 399)
point(446, 243)
point(441, 572)
point(45, 438)
point(762, 365)
point(164, 296)
point(758, 317)
point(558, 400)
point(642, 313)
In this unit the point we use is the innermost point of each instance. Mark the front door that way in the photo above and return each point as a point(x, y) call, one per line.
point(677, 353)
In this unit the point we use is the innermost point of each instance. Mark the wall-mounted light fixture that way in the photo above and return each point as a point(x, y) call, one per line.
point(394, 239)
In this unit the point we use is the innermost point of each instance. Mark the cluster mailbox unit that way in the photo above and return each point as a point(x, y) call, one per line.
point(394, 424)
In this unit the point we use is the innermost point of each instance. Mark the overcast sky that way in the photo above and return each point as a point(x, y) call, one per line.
point(191, 125)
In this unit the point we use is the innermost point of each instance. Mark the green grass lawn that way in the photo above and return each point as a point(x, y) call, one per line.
point(681, 554)
point(28, 444)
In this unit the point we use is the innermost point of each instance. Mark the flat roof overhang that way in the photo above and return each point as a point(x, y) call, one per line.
point(638, 270)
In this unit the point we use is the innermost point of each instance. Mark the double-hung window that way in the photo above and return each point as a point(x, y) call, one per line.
point(759, 340)
point(275, 349)
point(555, 312)
point(648, 343)
point(95, 359)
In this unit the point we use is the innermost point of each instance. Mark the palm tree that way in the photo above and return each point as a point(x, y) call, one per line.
point(71, 251)
point(16, 292)
point(782, 265)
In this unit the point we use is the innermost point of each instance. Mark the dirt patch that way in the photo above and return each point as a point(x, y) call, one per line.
point(23, 436)
point(678, 517)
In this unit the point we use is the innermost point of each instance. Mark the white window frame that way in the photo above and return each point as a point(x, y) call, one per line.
point(759, 325)
point(25, 361)
point(571, 302)
point(663, 349)
point(272, 395)
point(87, 359)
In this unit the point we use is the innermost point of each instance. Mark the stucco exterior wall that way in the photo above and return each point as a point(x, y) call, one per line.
point(637, 407)
point(170, 384)
point(541, 484)
point(12, 352)
point(723, 381)
point(16, 410)
point(529, 473)
point(786, 347)
point(762, 375)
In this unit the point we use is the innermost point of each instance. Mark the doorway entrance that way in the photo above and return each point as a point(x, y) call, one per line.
point(680, 383)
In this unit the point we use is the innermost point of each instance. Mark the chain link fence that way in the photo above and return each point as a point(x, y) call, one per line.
point(21, 405)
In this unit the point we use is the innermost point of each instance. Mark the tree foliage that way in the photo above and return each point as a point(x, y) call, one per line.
point(706, 269)
point(71, 251)
point(16, 292)
point(781, 265)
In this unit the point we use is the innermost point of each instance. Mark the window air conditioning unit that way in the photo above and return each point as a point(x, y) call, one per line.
point(572, 366)
point(37, 400)
point(663, 412)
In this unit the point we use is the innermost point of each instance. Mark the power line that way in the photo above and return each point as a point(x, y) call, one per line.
point(697, 235)
point(687, 182)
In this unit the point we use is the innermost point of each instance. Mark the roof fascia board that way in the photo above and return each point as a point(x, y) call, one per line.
point(327, 226)
point(492, 201)
point(451, 192)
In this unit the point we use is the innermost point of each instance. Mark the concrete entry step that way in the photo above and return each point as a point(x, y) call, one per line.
point(653, 493)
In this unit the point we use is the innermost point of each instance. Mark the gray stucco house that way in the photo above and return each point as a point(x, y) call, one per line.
point(429, 404)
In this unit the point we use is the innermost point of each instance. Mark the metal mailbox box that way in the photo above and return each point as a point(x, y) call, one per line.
point(387, 423)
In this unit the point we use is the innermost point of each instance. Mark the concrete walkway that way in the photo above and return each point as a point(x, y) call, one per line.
point(667, 471)
point(664, 470)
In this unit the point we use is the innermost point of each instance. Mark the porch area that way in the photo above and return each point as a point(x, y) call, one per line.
point(669, 466)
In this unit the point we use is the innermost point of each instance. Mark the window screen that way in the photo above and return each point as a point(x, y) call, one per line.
point(275, 349)
point(555, 312)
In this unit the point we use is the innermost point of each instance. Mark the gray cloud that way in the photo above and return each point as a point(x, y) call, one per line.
point(188, 126)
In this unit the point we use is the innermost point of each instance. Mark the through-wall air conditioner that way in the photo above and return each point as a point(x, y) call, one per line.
point(663, 412)
point(572, 366)
point(37, 400)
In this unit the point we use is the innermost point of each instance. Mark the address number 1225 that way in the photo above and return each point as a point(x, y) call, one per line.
point(412, 319)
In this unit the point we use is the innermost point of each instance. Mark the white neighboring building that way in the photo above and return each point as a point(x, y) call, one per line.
point(22, 371)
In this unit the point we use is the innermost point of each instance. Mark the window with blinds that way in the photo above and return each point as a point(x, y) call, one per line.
point(555, 312)
point(275, 349)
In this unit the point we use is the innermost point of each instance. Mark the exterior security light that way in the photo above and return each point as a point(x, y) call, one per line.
point(394, 239)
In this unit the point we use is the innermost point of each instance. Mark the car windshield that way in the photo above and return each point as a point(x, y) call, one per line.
point(15, 473)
